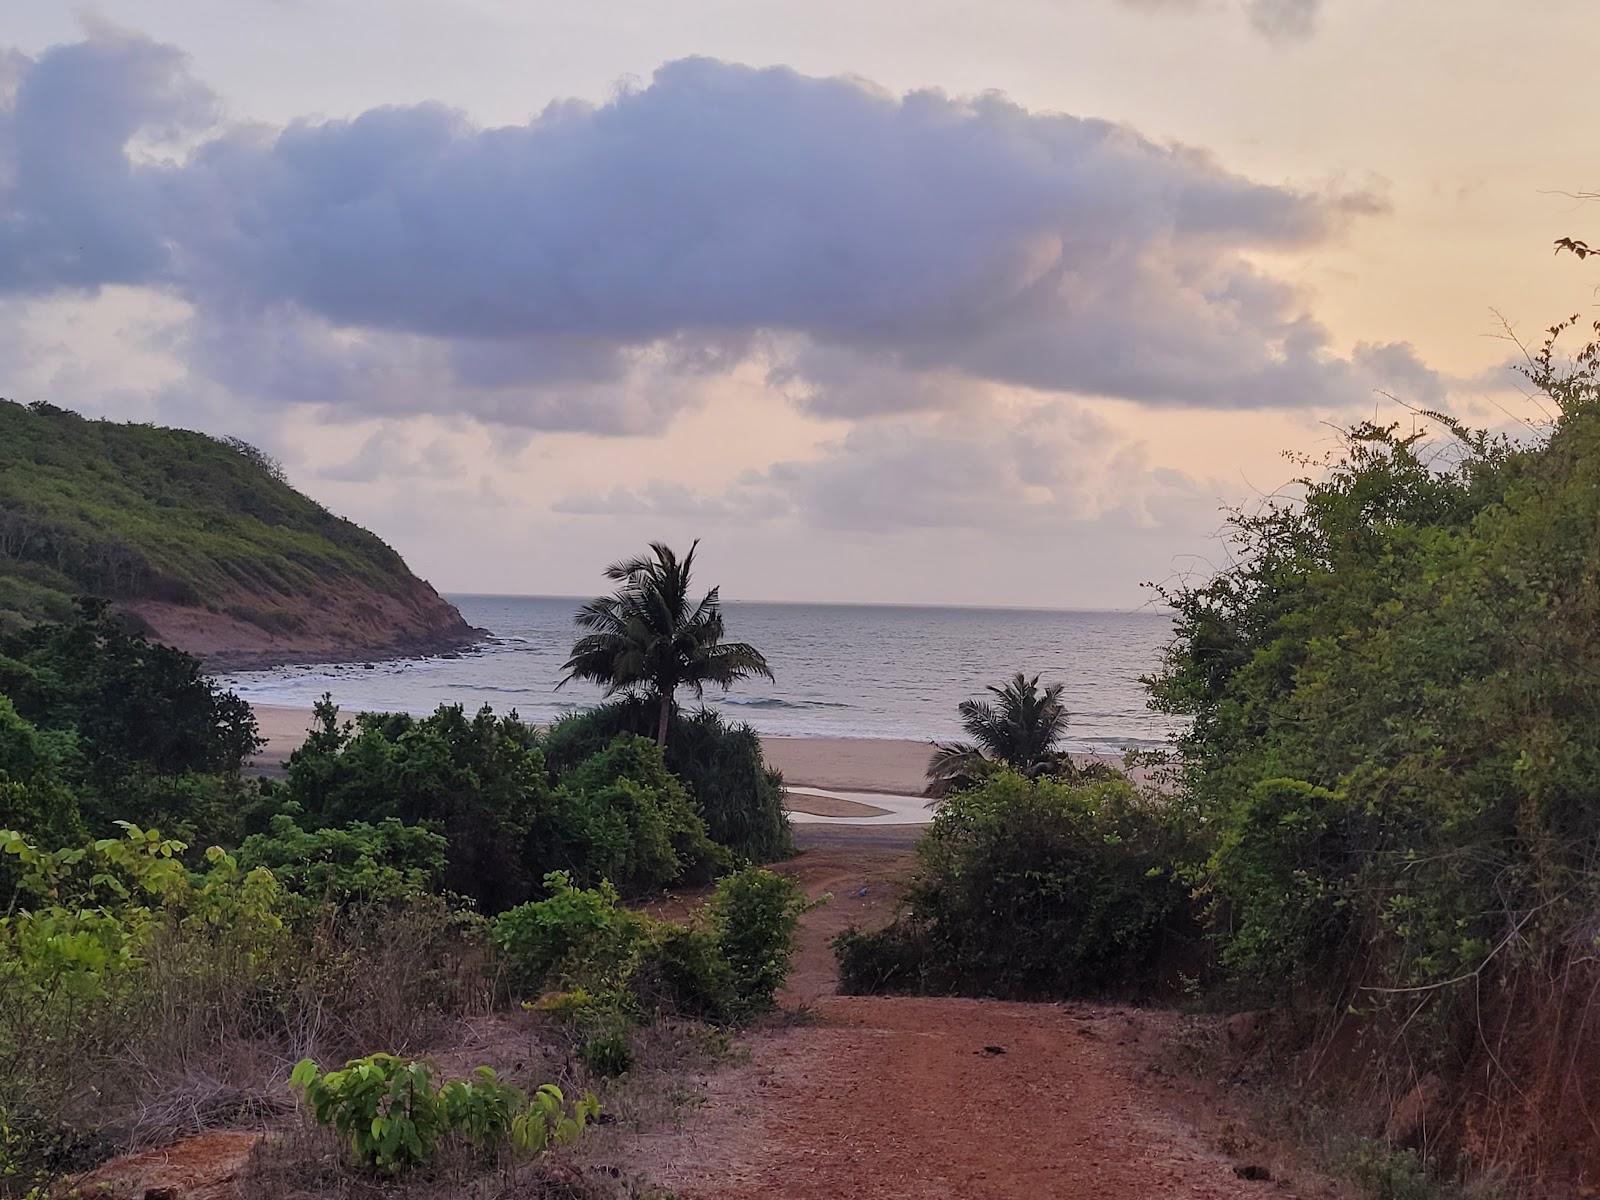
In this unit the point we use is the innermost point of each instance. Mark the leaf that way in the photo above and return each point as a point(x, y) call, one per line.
point(304, 1073)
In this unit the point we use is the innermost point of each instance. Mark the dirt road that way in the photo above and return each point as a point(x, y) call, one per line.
point(886, 1098)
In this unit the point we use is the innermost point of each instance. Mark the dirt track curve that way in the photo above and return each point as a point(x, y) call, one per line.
point(885, 1098)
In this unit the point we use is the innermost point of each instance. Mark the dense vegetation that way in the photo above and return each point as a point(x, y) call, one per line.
point(1393, 710)
point(1033, 888)
point(97, 724)
point(405, 873)
point(1382, 814)
point(721, 765)
point(135, 513)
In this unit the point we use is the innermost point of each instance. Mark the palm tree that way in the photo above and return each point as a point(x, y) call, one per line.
point(1019, 730)
point(648, 636)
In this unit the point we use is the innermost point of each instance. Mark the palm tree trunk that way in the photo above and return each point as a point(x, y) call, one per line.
point(661, 724)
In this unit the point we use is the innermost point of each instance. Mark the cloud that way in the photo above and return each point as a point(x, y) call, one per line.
point(1284, 20)
point(1275, 20)
point(1043, 468)
point(389, 454)
point(588, 269)
point(76, 210)
point(745, 501)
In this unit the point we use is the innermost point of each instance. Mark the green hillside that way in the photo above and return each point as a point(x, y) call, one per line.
point(170, 524)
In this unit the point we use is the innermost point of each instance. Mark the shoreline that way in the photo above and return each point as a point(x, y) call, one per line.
point(446, 644)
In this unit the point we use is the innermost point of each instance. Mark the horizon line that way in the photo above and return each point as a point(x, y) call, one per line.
point(1037, 608)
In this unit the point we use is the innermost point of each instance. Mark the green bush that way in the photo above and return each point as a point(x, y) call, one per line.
point(874, 961)
point(625, 818)
point(132, 705)
point(1390, 712)
point(608, 1055)
point(720, 764)
point(33, 794)
point(115, 962)
point(1282, 880)
point(1035, 888)
point(598, 962)
point(1385, 1173)
point(617, 815)
point(480, 781)
point(577, 935)
point(682, 971)
point(97, 725)
point(754, 915)
point(395, 1119)
point(348, 863)
point(723, 768)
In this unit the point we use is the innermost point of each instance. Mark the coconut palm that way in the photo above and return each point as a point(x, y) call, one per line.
point(1019, 729)
point(650, 638)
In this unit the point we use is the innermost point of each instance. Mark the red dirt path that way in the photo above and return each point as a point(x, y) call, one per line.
point(897, 1099)
point(901, 1098)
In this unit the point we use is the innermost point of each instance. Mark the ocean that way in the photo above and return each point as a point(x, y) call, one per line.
point(843, 670)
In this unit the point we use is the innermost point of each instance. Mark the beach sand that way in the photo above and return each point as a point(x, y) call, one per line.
point(846, 764)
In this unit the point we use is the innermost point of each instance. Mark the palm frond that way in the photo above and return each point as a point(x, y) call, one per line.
point(649, 634)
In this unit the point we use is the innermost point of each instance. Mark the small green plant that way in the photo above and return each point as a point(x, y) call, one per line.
point(1389, 1174)
point(396, 1119)
point(608, 1054)
point(545, 1121)
point(754, 914)
point(386, 1106)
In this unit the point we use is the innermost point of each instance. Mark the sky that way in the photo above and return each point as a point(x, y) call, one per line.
point(885, 301)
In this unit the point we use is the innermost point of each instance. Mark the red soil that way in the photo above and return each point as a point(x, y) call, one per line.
point(202, 1167)
point(901, 1098)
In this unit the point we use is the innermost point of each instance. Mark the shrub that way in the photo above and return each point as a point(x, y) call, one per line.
point(581, 935)
point(724, 769)
point(133, 705)
point(111, 956)
point(720, 764)
point(395, 1118)
point(683, 971)
point(627, 819)
point(33, 794)
point(348, 863)
point(755, 914)
point(1035, 888)
point(611, 962)
point(1281, 880)
point(480, 781)
point(609, 1054)
point(618, 815)
point(874, 961)
point(1386, 1173)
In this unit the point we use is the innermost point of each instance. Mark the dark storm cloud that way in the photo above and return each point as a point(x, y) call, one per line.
point(75, 210)
point(582, 270)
